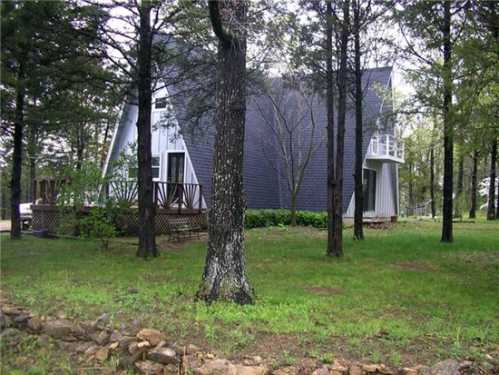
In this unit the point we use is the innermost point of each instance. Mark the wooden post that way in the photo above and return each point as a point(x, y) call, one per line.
point(155, 193)
point(180, 197)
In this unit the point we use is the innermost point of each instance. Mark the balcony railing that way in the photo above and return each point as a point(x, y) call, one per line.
point(386, 147)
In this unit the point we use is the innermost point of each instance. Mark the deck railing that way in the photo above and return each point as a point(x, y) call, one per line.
point(166, 195)
point(386, 146)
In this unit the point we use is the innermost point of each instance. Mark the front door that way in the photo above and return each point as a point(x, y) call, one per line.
point(175, 176)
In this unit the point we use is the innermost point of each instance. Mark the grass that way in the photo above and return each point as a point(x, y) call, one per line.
point(400, 296)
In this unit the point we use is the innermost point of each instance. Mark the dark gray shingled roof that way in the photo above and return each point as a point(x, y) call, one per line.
point(263, 186)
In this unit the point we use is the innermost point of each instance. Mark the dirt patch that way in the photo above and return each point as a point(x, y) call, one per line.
point(324, 291)
point(417, 266)
point(477, 257)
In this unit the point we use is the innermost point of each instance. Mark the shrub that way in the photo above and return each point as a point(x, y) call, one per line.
point(267, 218)
point(98, 224)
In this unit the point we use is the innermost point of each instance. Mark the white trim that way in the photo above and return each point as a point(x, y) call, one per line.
point(113, 139)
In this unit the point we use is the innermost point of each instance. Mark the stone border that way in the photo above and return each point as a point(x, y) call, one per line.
point(150, 354)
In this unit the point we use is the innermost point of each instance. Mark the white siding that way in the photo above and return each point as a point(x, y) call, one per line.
point(385, 204)
point(163, 139)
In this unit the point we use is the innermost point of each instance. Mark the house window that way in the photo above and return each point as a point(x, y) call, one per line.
point(369, 189)
point(160, 103)
point(156, 165)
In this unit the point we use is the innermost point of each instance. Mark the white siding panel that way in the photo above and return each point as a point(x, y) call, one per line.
point(385, 205)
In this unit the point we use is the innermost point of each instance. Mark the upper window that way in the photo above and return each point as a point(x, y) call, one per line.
point(155, 166)
point(160, 103)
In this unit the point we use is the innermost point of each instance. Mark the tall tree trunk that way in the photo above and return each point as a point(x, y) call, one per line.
point(491, 210)
point(432, 182)
point(80, 147)
point(224, 276)
point(358, 232)
point(32, 156)
point(17, 157)
point(293, 208)
point(448, 189)
point(474, 184)
point(147, 239)
point(337, 249)
point(460, 187)
point(330, 127)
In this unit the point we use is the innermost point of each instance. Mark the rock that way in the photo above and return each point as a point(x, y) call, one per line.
point(447, 367)
point(382, 369)
point(115, 336)
point(138, 347)
point(252, 361)
point(61, 329)
point(149, 368)
point(355, 370)
point(321, 371)
point(125, 342)
point(114, 346)
point(91, 350)
point(165, 356)
point(408, 371)
point(307, 366)
point(160, 345)
point(289, 370)
point(21, 319)
point(83, 347)
point(34, 324)
point(216, 367)
point(370, 368)
point(127, 361)
point(251, 370)
point(102, 321)
point(152, 335)
point(100, 338)
point(11, 310)
point(102, 354)
point(87, 328)
point(338, 369)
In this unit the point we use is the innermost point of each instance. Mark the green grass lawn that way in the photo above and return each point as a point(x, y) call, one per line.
point(400, 296)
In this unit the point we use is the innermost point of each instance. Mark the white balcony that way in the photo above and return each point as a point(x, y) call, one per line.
point(386, 147)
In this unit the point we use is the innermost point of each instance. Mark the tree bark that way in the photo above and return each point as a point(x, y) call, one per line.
point(17, 157)
point(358, 232)
point(224, 276)
point(474, 184)
point(330, 128)
point(147, 239)
point(491, 210)
point(432, 182)
point(337, 248)
point(447, 235)
point(293, 209)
